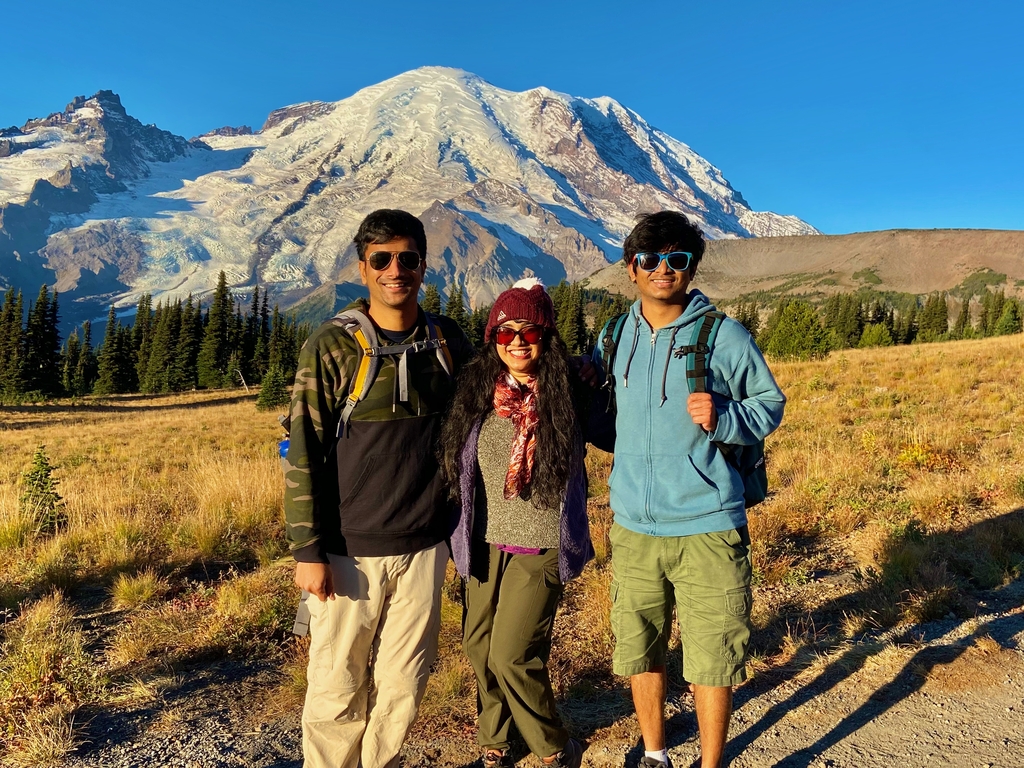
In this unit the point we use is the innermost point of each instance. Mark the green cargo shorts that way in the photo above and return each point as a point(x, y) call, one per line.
point(707, 578)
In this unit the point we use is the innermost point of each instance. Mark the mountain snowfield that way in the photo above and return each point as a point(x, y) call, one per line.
point(507, 184)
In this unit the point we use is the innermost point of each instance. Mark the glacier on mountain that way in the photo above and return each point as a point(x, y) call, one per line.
point(508, 184)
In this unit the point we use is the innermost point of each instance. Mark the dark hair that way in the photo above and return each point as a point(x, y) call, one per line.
point(559, 441)
point(666, 229)
point(387, 224)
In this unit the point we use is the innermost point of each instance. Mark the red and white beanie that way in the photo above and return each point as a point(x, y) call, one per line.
point(525, 301)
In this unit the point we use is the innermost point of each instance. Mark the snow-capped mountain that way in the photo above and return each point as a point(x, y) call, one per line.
point(507, 184)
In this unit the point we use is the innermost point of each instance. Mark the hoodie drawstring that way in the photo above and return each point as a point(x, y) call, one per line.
point(668, 359)
point(632, 351)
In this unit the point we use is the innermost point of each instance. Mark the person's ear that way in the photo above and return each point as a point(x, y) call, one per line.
point(631, 269)
point(362, 271)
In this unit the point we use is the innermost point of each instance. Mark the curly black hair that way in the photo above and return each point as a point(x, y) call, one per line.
point(560, 399)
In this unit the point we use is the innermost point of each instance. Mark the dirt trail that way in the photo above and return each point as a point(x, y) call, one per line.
point(947, 693)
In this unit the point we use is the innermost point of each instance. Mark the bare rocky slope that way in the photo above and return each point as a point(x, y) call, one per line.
point(908, 261)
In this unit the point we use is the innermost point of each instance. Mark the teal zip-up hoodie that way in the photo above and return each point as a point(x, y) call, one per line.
point(668, 478)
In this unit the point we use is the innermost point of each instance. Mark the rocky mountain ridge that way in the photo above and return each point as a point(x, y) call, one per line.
point(507, 184)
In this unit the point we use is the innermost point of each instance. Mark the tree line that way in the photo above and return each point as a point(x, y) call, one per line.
point(174, 347)
point(580, 312)
point(797, 329)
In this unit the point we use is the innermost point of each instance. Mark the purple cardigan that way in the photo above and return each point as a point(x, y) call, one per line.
point(574, 546)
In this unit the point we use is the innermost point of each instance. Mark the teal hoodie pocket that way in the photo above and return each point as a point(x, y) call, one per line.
point(680, 490)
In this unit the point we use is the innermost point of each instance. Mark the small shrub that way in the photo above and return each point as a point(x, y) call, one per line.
point(40, 497)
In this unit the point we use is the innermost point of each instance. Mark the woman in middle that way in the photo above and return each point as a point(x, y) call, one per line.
point(512, 452)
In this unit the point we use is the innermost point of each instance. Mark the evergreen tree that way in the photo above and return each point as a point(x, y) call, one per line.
point(478, 324)
point(11, 346)
point(278, 341)
point(251, 339)
point(748, 316)
point(1010, 320)
point(71, 365)
point(39, 498)
point(905, 326)
point(962, 327)
point(87, 371)
point(41, 361)
point(129, 381)
point(185, 369)
point(794, 331)
point(843, 316)
point(216, 349)
point(160, 370)
point(875, 335)
point(108, 380)
point(274, 391)
point(933, 322)
point(569, 319)
point(996, 305)
point(262, 353)
point(431, 299)
point(611, 305)
point(142, 335)
point(455, 308)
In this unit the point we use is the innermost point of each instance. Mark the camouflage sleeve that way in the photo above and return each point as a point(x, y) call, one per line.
point(321, 381)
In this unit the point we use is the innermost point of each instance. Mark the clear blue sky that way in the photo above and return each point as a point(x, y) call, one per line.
point(852, 115)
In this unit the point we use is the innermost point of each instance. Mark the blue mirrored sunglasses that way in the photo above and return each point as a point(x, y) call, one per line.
point(678, 261)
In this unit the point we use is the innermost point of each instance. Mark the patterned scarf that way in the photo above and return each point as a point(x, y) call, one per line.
point(518, 402)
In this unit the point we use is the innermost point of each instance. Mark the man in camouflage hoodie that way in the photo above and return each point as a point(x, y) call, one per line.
point(367, 515)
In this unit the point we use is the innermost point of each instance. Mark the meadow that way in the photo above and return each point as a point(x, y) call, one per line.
point(897, 493)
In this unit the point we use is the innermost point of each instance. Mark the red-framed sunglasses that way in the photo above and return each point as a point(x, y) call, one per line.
point(531, 334)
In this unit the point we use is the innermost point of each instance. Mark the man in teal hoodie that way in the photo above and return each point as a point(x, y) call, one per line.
point(680, 533)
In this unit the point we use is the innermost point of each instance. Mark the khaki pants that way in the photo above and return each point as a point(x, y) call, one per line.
point(382, 625)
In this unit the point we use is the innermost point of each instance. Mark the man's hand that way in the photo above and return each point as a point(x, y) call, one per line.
point(316, 579)
point(702, 410)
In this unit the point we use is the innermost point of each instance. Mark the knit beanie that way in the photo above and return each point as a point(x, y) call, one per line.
point(526, 300)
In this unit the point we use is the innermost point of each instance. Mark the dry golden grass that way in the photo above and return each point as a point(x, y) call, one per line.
point(901, 470)
point(45, 675)
point(175, 480)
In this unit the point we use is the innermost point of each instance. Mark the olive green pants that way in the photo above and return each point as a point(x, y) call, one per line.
point(509, 612)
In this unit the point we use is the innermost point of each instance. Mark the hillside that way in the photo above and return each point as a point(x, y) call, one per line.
point(908, 261)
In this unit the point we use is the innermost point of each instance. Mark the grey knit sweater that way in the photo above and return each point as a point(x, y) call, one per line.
point(507, 521)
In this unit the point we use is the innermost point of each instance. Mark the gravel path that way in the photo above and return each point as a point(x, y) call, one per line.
point(933, 696)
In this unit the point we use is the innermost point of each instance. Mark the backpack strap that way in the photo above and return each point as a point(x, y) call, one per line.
point(611, 334)
point(444, 355)
point(697, 368)
point(698, 350)
point(361, 329)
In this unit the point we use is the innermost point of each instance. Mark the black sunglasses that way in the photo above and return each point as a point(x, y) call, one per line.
point(381, 260)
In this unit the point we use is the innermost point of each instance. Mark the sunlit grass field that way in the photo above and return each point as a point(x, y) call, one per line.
point(897, 479)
